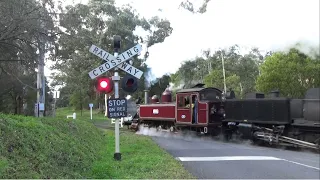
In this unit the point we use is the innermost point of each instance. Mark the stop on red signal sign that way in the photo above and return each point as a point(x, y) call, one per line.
point(104, 84)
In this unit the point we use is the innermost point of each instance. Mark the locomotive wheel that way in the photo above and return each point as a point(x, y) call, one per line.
point(317, 142)
point(227, 136)
point(255, 140)
point(176, 130)
point(226, 133)
point(159, 128)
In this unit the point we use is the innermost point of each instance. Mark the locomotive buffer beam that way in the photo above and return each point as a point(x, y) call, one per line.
point(274, 136)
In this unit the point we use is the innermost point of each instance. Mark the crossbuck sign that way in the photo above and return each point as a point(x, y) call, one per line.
point(119, 61)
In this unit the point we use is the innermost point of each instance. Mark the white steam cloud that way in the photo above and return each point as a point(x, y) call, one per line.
point(266, 24)
point(154, 133)
point(188, 136)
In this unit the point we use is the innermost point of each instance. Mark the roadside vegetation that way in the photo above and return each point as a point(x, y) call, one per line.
point(47, 147)
point(141, 159)
point(64, 148)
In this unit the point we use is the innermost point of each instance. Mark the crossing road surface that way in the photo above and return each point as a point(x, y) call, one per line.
point(208, 159)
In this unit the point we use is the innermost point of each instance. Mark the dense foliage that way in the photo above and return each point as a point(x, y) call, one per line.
point(291, 72)
point(25, 26)
point(97, 23)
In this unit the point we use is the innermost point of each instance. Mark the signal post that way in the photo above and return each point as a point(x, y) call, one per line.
point(117, 107)
point(116, 79)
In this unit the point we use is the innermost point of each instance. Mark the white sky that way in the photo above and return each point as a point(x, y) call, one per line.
point(267, 24)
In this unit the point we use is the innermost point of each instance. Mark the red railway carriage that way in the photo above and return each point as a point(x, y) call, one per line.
point(196, 108)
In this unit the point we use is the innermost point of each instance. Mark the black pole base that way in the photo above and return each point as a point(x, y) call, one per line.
point(117, 156)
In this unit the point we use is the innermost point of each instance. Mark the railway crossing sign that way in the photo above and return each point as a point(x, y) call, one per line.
point(119, 61)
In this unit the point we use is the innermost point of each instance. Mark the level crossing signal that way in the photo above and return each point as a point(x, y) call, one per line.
point(129, 83)
point(104, 84)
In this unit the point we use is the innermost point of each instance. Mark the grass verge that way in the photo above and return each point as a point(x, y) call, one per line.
point(63, 148)
point(97, 116)
point(47, 148)
point(141, 159)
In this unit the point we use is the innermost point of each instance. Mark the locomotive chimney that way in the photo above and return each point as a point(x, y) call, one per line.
point(146, 96)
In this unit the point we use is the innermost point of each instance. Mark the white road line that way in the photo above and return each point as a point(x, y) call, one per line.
point(227, 158)
point(239, 158)
point(301, 164)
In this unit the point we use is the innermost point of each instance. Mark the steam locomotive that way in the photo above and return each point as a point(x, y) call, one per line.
point(272, 119)
point(198, 109)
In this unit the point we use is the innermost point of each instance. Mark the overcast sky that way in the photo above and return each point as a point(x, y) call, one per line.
point(267, 24)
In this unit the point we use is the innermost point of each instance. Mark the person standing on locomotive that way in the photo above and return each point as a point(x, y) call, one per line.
point(195, 109)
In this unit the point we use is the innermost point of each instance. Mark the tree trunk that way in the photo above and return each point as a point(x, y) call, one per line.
point(241, 90)
point(18, 105)
point(81, 101)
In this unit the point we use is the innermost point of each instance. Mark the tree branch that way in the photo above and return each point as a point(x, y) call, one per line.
point(17, 47)
point(6, 91)
point(18, 79)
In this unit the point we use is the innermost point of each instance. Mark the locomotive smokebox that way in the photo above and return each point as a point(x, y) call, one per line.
point(274, 94)
point(166, 96)
point(154, 99)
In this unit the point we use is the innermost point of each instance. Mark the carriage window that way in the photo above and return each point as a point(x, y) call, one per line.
point(183, 101)
point(180, 101)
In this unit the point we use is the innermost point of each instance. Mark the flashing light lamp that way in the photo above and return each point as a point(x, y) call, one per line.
point(129, 83)
point(104, 84)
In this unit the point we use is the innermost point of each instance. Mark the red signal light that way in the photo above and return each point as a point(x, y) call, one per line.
point(130, 82)
point(104, 84)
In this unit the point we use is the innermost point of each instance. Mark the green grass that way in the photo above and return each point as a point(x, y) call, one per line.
point(96, 114)
point(47, 148)
point(141, 159)
point(64, 148)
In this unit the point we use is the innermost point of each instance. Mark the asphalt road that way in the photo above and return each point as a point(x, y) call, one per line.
point(208, 159)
